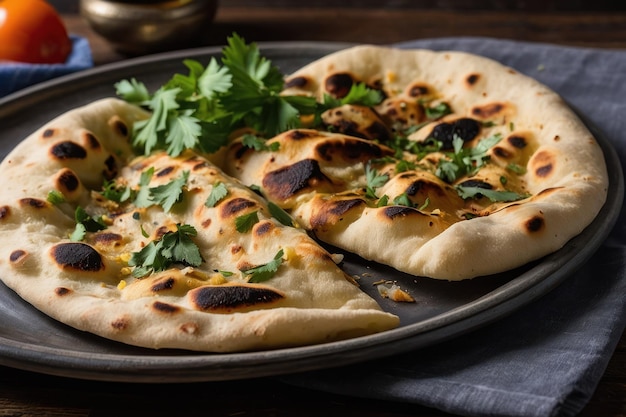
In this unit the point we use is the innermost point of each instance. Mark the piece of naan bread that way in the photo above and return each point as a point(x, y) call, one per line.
point(211, 307)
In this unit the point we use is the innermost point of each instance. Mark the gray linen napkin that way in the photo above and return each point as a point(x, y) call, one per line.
point(545, 359)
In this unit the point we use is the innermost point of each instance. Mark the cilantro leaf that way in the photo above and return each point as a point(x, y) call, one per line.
point(150, 132)
point(55, 197)
point(184, 131)
point(214, 80)
point(143, 198)
point(171, 193)
point(245, 222)
point(493, 195)
point(359, 94)
point(173, 247)
point(403, 200)
point(111, 191)
point(374, 180)
point(132, 91)
point(264, 272)
point(218, 192)
point(279, 214)
point(85, 223)
point(258, 144)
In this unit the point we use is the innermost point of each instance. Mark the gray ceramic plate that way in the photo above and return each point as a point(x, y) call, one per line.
point(32, 341)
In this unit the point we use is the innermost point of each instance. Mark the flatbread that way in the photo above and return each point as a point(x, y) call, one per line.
point(319, 174)
point(88, 284)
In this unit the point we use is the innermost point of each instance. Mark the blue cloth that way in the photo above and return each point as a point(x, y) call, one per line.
point(15, 76)
point(547, 358)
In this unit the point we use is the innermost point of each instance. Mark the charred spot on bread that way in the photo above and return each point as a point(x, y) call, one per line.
point(535, 224)
point(110, 167)
point(68, 150)
point(465, 128)
point(229, 298)
point(162, 307)
point(339, 84)
point(91, 141)
point(77, 256)
point(543, 163)
point(349, 150)
point(62, 291)
point(517, 141)
point(488, 111)
point(17, 255)
point(393, 212)
point(472, 79)
point(119, 126)
point(287, 181)
point(263, 228)
point(163, 284)
point(417, 90)
point(331, 212)
point(48, 133)
point(107, 238)
point(165, 171)
point(4, 212)
point(297, 82)
point(235, 206)
point(121, 323)
point(299, 134)
point(33, 203)
point(67, 180)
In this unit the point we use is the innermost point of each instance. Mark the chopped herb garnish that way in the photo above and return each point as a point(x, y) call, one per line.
point(374, 180)
point(264, 272)
point(218, 192)
point(437, 111)
point(85, 223)
point(359, 94)
point(518, 169)
point(171, 193)
point(279, 214)
point(258, 144)
point(112, 191)
point(245, 222)
point(55, 197)
point(493, 195)
point(403, 200)
point(172, 248)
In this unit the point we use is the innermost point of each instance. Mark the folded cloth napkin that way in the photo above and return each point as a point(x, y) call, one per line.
point(547, 358)
point(16, 75)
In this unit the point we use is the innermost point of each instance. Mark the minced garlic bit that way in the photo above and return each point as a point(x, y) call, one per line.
point(394, 292)
point(125, 271)
point(121, 285)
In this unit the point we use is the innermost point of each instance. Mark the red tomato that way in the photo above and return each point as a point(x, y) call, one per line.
point(32, 31)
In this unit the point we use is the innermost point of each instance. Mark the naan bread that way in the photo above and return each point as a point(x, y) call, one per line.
point(211, 307)
point(320, 177)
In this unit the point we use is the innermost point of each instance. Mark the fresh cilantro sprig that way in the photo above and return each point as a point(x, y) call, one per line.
point(218, 193)
point(374, 180)
point(263, 273)
point(173, 248)
point(85, 223)
point(493, 195)
point(245, 222)
point(465, 160)
point(359, 94)
point(166, 195)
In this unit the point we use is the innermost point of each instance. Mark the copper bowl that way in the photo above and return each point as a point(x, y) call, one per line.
point(139, 27)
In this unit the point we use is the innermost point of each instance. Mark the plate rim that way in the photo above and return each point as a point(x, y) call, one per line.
point(200, 366)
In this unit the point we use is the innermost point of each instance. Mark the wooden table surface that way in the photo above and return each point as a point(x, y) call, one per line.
point(24, 393)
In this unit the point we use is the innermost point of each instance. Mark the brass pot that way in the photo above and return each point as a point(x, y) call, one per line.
point(139, 27)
